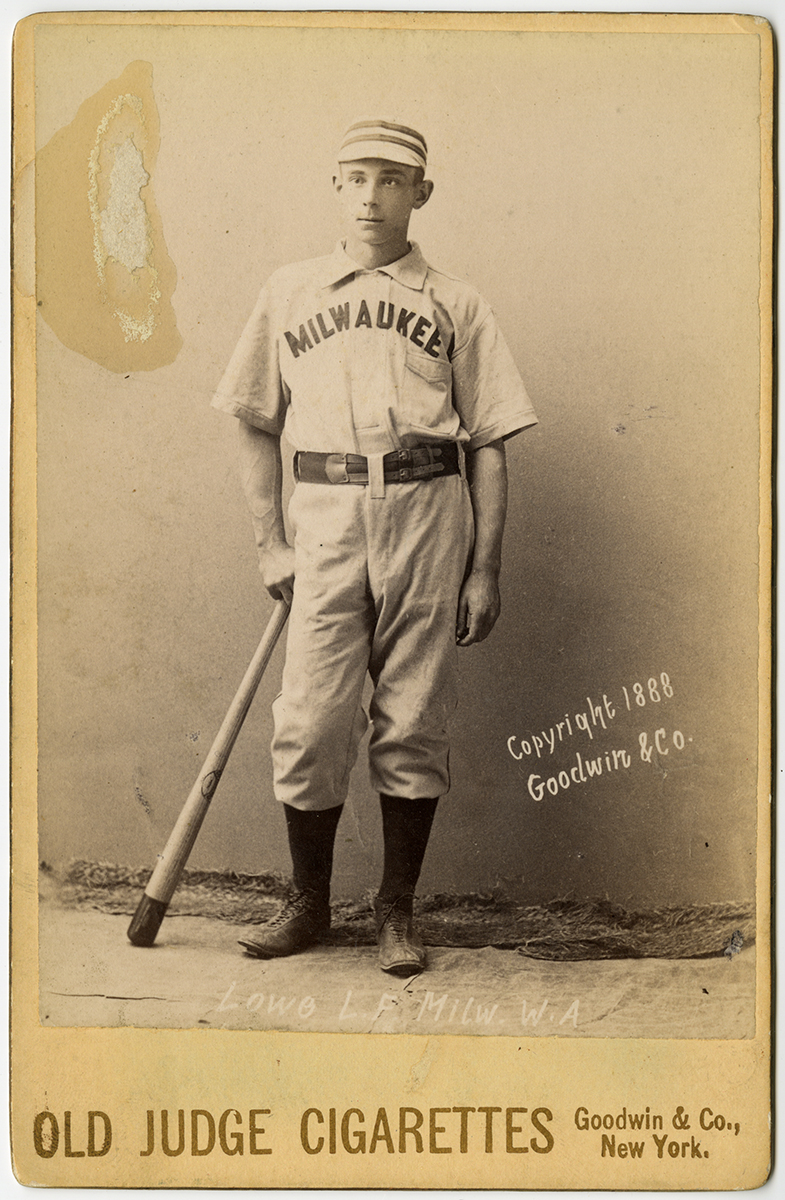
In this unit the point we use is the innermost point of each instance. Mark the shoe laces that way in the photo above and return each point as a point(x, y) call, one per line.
point(296, 906)
point(398, 918)
point(398, 921)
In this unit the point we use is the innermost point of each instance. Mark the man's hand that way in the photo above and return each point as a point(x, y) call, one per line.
point(276, 566)
point(479, 606)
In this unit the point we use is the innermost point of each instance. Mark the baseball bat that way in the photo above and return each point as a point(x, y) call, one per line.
point(171, 861)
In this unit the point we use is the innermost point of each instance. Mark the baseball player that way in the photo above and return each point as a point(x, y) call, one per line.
point(396, 390)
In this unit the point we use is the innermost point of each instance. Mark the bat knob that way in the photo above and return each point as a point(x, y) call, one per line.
point(147, 921)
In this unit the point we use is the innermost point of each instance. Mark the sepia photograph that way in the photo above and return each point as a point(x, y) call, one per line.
point(392, 523)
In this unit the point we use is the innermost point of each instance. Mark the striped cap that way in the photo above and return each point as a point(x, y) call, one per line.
point(383, 139)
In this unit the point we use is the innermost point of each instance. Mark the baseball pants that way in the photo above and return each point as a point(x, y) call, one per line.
point(376, 590)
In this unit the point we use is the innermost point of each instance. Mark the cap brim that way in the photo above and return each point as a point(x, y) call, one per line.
point(377, 149)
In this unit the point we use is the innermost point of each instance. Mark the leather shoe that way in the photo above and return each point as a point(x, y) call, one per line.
point(401, 951)
point(301, 922)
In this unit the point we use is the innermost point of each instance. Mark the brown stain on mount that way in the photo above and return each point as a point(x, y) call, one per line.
point(104, 279)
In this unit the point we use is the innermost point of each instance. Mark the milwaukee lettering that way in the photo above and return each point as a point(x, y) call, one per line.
point(322, 326)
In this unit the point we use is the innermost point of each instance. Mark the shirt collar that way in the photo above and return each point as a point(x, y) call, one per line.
point(409, 270)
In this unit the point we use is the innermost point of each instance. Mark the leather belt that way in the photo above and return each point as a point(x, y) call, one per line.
point(400, 466)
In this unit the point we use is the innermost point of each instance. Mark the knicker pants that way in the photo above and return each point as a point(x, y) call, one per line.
point(377, 582)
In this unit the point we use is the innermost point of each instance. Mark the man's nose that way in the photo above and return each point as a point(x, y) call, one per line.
point(370, 197)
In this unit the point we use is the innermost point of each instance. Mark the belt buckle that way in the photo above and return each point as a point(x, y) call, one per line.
point(428, 469)
point(335, 468)
point(408, 466)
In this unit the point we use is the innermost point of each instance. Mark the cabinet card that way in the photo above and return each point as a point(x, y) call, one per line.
point(568, 215)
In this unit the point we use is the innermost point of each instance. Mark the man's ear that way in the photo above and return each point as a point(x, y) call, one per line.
point(337, 184)
point(423, 193)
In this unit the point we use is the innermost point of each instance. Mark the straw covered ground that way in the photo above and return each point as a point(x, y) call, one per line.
point(561, 930)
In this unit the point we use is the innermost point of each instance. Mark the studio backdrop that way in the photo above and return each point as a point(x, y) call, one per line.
point(601, 193)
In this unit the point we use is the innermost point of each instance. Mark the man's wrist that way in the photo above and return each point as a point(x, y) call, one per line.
point(270, 540)
point(488, 570)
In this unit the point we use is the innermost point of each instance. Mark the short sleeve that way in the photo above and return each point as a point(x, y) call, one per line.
point(488, 392)
point(251, 387)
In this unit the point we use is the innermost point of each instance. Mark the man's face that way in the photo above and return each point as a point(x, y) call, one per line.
point(377, 198)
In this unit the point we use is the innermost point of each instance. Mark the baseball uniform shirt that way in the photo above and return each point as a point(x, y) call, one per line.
point(341, 359)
